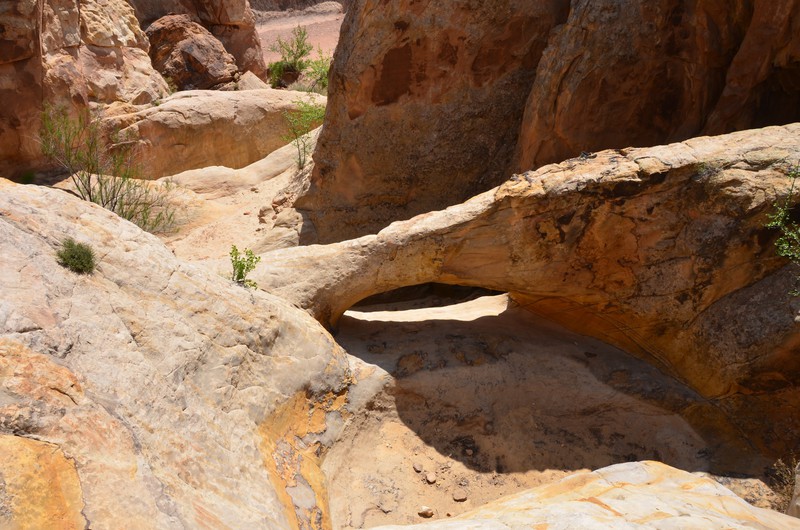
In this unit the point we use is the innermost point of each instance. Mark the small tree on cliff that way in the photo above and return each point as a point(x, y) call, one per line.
point(306, 117)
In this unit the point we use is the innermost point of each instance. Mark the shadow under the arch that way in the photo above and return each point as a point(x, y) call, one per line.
point(492, 386)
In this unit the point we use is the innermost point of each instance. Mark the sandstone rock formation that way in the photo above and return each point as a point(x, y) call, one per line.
point(188, 55)
point(230, 21)
point(157, 394)
point(620, 496)
point(660, 251)
point(525, 83)
point(196, 129)
point(66, 53)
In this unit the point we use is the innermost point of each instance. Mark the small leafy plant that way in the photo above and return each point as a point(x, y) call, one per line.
point(306, 117)
point(77, 257)
point(294, 54)
point(788, 243)
point(243, 265)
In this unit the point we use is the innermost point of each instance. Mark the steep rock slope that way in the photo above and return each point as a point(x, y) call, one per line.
point(66, 52)
point(432, 102)
point(172, 396)
point(661, 251)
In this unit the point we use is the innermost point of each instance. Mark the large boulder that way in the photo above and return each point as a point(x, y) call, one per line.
point(662, 252)
point(196, 129)
point(66, 53)
point(432, 102)
point(151, 393)
point(188, 55)
point(622, 496)
point(230, 21)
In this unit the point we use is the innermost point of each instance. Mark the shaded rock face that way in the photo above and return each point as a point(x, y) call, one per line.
point(187, 54)
point(420, 90)
point(433, 102)
point(232, 22)
point(172, 397)
point(630, 495)
point(660, 251)
point(196, 129)
point(69, 53)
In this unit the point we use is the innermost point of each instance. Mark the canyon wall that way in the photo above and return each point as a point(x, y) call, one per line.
point(431, 102)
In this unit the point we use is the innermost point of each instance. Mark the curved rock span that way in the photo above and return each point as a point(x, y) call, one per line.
point(660, 251)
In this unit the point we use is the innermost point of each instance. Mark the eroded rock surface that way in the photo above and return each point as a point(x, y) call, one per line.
point(177, 397)
point(198, 129)
point(431, 102)
point(189, 55)
point(230, 21)
point(660, 251)
point(621, 496)
point(69, 53)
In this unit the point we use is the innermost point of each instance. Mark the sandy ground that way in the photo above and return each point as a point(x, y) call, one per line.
point(490, 401)
point(321, 23)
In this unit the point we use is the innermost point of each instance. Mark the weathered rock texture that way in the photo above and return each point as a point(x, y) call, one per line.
point(196, 129)
point(172, 397)
point(794, 505)
point(189, 55)
point(70, 53)
point(432, 102)
point(622, 496)
point(660, 251)
point(230, 21)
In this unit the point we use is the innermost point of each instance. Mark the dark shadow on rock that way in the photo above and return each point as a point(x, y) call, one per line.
point(513, 393)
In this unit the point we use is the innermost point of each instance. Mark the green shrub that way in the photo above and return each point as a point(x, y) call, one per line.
point(77, 257)
point(243, 265)
point(306, 117)
point(294, 54)
point(788, 243)
point(104, 174)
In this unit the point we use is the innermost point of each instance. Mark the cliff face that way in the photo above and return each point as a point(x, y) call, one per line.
point(432, 102)
point(69, 53)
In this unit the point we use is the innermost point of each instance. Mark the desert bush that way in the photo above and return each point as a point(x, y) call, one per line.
point(294, 54)
point(788, 243)
point(104, 174)
point(306, 117)
point(243, 265)
point(77, 257)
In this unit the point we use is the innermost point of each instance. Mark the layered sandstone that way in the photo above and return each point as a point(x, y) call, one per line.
point(433, 102)
point(661, 251)
point(70, 54)
point(197, 129)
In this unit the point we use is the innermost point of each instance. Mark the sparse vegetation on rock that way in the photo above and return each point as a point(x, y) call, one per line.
point(243, 265)
point(788, 244)
point(302, 121)
point(77, 257)
point(104, 174)
point(294, 57)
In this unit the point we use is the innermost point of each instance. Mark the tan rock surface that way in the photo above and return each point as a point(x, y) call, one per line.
point(435, 102)
point(794, 505)
point(197, 129)
point(660, 251)
point(189, 55)
point(621, 496)
point(172, 381)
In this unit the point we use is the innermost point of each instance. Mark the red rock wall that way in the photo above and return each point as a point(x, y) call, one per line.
point(432, 102)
